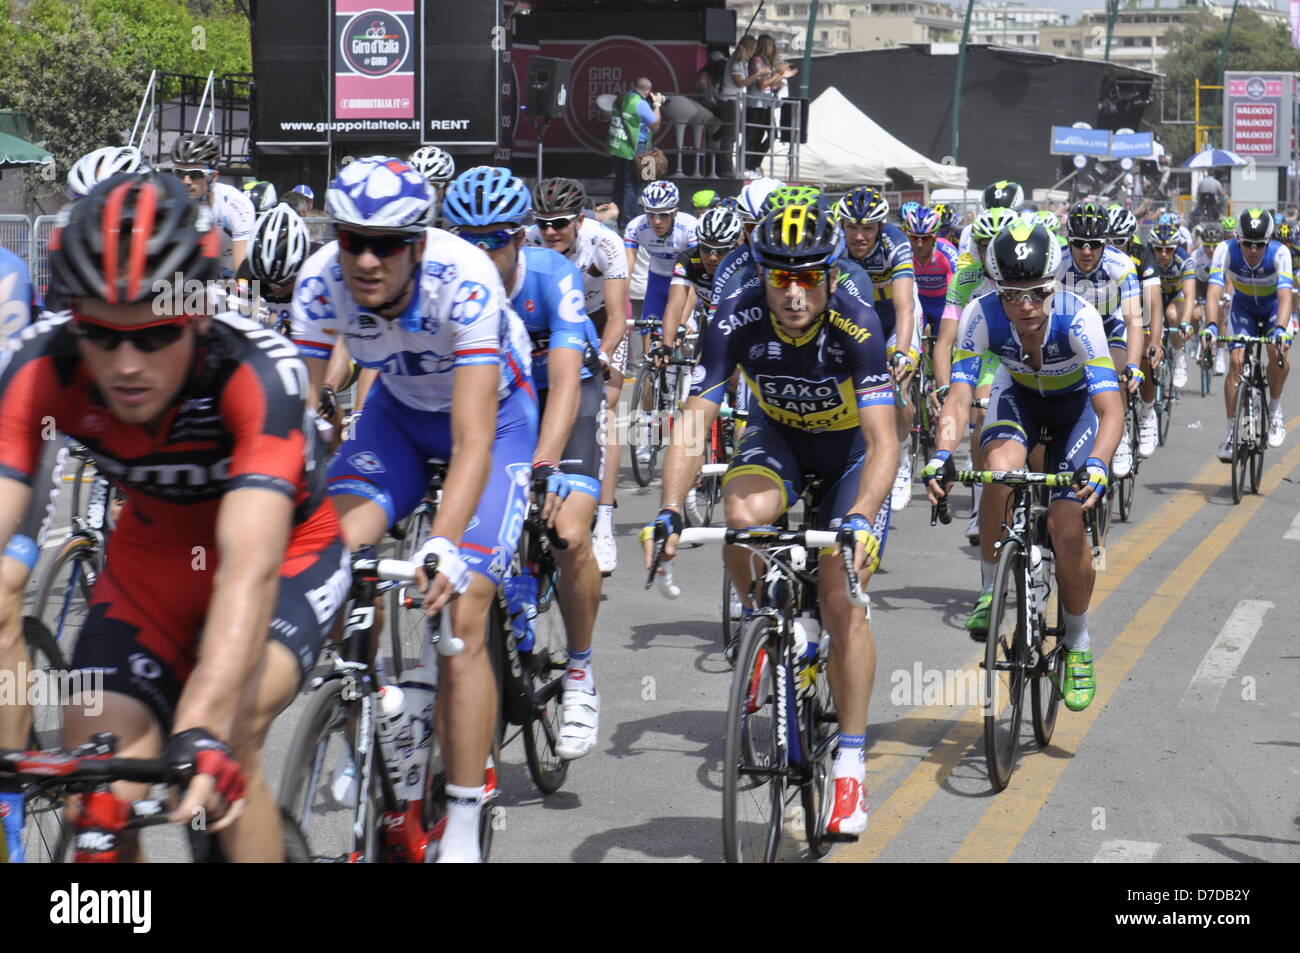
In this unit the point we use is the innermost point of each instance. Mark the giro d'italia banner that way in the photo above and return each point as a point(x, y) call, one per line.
point(376, 53)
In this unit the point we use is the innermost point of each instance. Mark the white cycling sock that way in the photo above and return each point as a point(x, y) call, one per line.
point(987, 571)
point(851, 757)
point(1148, 408)
point(1076, 631)
point(460, 839)
point(605, 520)
point(1273, 404)
point(579, 673)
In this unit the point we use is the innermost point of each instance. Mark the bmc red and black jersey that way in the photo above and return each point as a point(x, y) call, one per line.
point(239, 421)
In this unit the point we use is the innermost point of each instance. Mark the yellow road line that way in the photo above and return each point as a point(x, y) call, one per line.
point(1009, 817)
point(927, 777)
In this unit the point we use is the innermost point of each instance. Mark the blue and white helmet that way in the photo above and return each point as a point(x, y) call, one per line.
point(660, 197)
point(380, 192)
point(486, 195)
point(753, 195)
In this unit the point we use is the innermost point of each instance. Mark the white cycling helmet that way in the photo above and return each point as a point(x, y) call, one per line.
point(434, 164)
point(660, 197)
point(752, 196)
point(95, 167)
point(380, 192)
point(720, 227)
point(279, 247)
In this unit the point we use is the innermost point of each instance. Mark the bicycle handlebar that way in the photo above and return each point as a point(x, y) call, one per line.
point(1015, 478)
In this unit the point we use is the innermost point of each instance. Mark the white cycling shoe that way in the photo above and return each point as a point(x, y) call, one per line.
point(1276, 428)
point(901, 494)
point(1225, 451)
point(1122, 464)
point(580, 719)
point(1148, 435)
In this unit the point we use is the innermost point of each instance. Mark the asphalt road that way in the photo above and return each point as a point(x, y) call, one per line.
point(1188, 753)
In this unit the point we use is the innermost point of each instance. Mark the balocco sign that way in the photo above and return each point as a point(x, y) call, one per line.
point(1257, 121)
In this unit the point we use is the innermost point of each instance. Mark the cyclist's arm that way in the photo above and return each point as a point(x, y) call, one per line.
point(473, 431)
point(971, 340)
point(1283, 307)
point(1156, 309)
point(1187, 312)
point(904, 288)
point(252, 532)
point(365, 380)
point(616, 311)
point(877, 425)
point(1215, 286)
point(15, 496)
point(1284, 287)
point(1088, 339)
point(943, 345)
point(680, 300)
point(683, 464)
point(238, 252)
point(564, 371)
point(339, 367)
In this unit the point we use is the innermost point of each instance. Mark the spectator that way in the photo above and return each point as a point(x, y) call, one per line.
point(1292, 214)
point(1209, 196)
point(298, 202)
point(635, 116)
point(758, 117)
point(735, 83)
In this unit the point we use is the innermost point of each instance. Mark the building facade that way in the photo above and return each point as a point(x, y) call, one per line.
point(1012, 24)
point(845, 26)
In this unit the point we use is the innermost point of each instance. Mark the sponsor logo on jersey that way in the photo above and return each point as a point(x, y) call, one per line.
point(469, 302)
point(437, 269)
point(366, 462)
point(312, 298)
point(739, 319)
point(858, 334)
point(797, 395)
point(756, 351)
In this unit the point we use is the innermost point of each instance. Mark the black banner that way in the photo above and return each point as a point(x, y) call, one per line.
point(462, 46)
point(291, 72)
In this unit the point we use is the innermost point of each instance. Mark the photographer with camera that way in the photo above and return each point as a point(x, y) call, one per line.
point(635, 116)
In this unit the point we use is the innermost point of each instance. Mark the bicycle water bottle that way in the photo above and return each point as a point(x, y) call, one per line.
point(1037, 580)
point(807, 636)
point(389, 727)
point(521, 605)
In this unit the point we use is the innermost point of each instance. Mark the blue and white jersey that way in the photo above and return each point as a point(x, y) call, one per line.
point(1074, 356)
point(1107, 286)
point(596, 253)
point(458, 317)
point(663, 251)
point(1254, 288)
point(547, 295)
point(17, 297)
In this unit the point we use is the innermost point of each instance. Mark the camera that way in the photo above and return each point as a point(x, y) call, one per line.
point(657, 98)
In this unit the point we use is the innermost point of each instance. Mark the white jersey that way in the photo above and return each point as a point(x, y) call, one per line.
point(458, 317)
point(597, 253)
point(966, 245)
point(1201, 261)
point(663, 251)
point(233, 213)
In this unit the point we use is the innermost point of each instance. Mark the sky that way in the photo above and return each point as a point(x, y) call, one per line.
point(1075, 7)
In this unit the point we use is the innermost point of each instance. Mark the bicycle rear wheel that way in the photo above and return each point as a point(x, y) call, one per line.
point(1243, 440)
point(732, 617)
point(754, 757)
point(407, 628)
point(1164, 401)
point(820, 729)
point(63, 596)
point(544, 669)
point(1005, 663)
point(1259, 410)
point(641, 431)
point(1045, 689)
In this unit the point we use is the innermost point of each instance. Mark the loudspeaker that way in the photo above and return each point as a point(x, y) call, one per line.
point(787, 116)
point(548, 87)
point(719, 27)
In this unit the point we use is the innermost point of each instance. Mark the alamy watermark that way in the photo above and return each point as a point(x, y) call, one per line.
point(38, 687)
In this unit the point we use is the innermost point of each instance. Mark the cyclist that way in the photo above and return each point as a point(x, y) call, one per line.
point(488, 207)
point(690, 296)
point(1054, 376)
point(1001, 194)
point(194, 161)
point(1177, 271)
point(970, 280)
point(429, 312)
point(1259, 268)
point(1211, 237)
point(947, 222)
point(262, 195)
point(437, 166)
point(884, 252)
point(791, 333)
point(665, 233)
point(559, 224)
point(1229, 226)
point(1106, 279)
point(932, 266)
point(1121, 229)
point(201, 421)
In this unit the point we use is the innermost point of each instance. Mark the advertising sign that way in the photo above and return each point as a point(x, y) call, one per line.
point(375, 63)
point(1068, 141)
point(1132, 145)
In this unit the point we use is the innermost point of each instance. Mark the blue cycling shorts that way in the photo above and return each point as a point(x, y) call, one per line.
point(656, 295)
point(387, 461)
point(1017, 413)
point(1255, 321)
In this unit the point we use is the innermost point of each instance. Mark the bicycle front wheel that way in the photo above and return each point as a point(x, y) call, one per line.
point(1164, 401)
point(641, 431)
point(1259, 410)
point(407, 628)
point(1045, 689)
point(820, 731)
point(544, 669)
point(1243, 440)
point(63, 596)
point(754, 757)
point(1006, 657)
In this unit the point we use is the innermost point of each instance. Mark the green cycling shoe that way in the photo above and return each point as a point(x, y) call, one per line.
point(1080, 685)
point(977, 623)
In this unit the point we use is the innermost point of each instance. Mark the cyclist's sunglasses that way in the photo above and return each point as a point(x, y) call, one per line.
point(145, 338)
point(1027, 295)
point(354, 243)
point(491, 241)
point(714, 249)
point(190, 173)
point(921, 238)
point(554, 224)
point(780, 278)
point(1091, 244)
point(1246, 244)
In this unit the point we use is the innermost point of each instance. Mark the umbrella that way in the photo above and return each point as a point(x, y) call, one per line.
point(1213, 158)
point(15, 151)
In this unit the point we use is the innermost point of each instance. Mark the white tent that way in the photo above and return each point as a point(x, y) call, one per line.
point(846, 147)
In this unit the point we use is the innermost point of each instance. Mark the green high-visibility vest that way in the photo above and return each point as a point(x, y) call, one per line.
point(624, 127)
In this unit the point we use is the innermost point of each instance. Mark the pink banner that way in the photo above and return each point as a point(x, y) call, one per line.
point(1255, 86)
point(374, 59)
point(1254, 128)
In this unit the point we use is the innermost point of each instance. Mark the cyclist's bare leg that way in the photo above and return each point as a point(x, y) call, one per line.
point(998, 455)
point(1074, 569)
point(467, 696)
point(362, 522)
point(15, 719)
point(748, 500)
point(580, 579)
point(852, 668)
point(138, 736)
point(1277, 375)
point(1236, 361)
point(609, 482)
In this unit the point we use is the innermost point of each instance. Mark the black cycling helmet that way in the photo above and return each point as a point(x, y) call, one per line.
point(1255, 225)
point(196, 150)
point(558, 196)
point(1023, 251)
point(129, 232)
point(1004, 194)
point(1087, 220)
point(797, 238)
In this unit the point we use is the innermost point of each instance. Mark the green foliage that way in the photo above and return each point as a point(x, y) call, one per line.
point(1195, 52)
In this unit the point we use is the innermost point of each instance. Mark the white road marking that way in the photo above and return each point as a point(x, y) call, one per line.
point(1221, 661)
point(1294, 531)
point(1126, 852)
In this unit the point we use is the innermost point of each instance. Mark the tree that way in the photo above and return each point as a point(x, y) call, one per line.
point(1194, 53)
